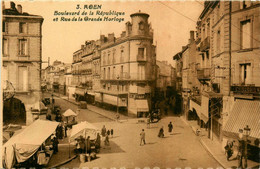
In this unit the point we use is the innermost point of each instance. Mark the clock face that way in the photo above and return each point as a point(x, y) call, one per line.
point(8, 90)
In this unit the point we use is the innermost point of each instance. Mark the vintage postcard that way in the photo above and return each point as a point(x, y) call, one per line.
point(130, 84)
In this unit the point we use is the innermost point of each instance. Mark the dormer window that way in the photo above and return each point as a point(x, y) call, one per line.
point(141, 26)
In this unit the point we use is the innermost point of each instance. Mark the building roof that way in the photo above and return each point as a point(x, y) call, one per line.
point(139, 13)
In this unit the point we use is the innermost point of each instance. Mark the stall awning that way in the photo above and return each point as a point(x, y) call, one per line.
point(142, 106)
point(244, 112)
point(80, 91)
point(26, 143)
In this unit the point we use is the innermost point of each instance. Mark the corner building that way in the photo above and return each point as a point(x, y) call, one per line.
point(128, 68)
point(21, 57)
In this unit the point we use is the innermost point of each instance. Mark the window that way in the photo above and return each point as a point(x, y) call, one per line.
point(122, 71)
point(114, 70)
point(114, 60)
point(22, 27)
point(5, 47)
point(4, 26)
point(108, 58)
point(218, 41)
point(245, 73)
point(141, 72)
point(5, 74)
point(246, 34)
point(141, 52)
point(23, 47)
point(22, 78)
point(108, 74)
point(104, 73)
point(122, 56)
point(141, 26)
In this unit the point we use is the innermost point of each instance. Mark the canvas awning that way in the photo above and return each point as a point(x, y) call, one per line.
point(244, 112)
point(69, 112)
point(80, 91)
point(83, 129)
point(23, 145)
point(142, 105)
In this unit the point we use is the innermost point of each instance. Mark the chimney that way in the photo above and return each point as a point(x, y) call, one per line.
point(12, 5)
point(82, 46)
point(19, 8)
point(191, 37)
point(111, 37)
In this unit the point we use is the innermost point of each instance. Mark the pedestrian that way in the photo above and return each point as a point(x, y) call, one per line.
point(103, 131)
point(98, 143)
point(112, 133)
point(142, 137)
point(106, 140)
point(87, 144)
point(229, 149)
point(170, 127)
point(161, 133)
point(55, 143)
point(108, 133)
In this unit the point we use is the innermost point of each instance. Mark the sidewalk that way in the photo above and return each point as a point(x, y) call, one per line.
point(103, 112)
point(214, 148)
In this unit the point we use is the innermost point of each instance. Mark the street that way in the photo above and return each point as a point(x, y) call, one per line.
point(179, 149)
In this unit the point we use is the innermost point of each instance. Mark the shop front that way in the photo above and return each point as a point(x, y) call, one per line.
point(244, 114)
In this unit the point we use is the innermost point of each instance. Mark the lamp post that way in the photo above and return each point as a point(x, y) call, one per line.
point(247, 133)
point(243, 146)
point(240, 148)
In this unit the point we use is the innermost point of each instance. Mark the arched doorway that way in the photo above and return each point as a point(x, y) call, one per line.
point(14, 111)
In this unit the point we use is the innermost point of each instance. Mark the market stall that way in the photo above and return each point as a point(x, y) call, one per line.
point(26, 144)
point(70, 117)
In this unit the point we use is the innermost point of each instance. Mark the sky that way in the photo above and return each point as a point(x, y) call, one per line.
point(60, 39)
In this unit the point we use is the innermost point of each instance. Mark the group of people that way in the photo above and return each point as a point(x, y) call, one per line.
point(105, 134)
point(83, 145)
point(61, 131)
point(161, 131)
point(160, 134)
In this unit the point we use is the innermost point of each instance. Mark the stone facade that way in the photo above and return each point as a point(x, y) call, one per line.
point(22, 55)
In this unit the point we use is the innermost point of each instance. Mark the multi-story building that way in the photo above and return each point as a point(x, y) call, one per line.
point(165, 81)
point(227, 68)
point(128, 67)
point(21, 56)
point(86, 71)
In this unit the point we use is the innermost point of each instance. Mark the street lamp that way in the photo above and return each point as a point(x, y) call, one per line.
point(240, 148)
point(243, 145)
point(247, 133)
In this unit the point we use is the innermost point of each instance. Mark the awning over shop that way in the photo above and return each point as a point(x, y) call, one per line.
point(205, 107)
point(244, 112)
point(23, 145)
point(142, 106)
point(201, 110)
point(80, 91)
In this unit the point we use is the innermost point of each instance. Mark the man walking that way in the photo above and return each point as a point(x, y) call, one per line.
point(142, 136)
point(170, 127)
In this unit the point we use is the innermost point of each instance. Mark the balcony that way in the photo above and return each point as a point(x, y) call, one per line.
point(140, 58)
point(205, 44)
point(248, 90)
point(203, 74)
